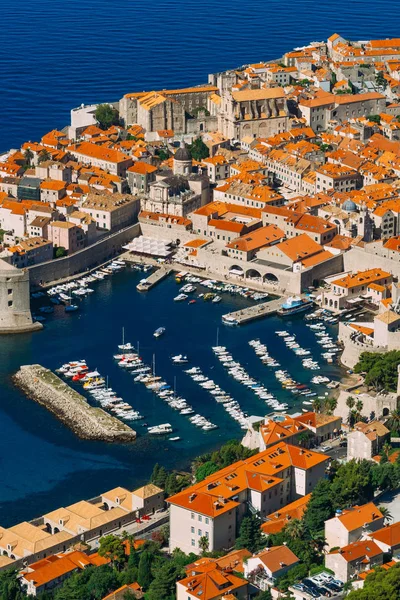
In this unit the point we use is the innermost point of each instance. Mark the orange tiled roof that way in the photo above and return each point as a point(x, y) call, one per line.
point(142, 168)
point(99, 152)
point(276, 521)
point(259, 238)
point(356, 517)
point(389, 535)
point(357, 550)
point(214, 495)
point(211, 582)
point(275, 556)
point(361, 278)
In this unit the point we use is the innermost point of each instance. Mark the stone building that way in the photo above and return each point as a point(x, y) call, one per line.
point(366, 440)
point(15, 313)
point(179, 192)
point(165, 109)
point(255, 113)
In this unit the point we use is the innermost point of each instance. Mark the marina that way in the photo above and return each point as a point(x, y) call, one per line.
point(94, 334)
point(252, 313)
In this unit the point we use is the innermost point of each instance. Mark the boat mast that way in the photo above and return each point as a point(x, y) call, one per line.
point(123, 336)
point(154, 365)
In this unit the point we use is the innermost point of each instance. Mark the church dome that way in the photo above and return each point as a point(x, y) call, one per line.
point(183, 153)
point(349, 206)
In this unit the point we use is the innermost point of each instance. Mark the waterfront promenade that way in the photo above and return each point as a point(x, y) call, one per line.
point(252, 313)
point(153, 279)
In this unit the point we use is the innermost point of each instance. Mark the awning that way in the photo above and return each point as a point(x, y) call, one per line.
point(236, 271)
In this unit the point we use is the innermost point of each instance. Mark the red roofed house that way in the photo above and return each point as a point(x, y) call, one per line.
point(264, 568)
point(210, 582)
point(349, 525)
point(354, 558)
point(139, 176)
point(352, 286)
point(366, 440)
point(245, 247)
point(388, 538)
point(324, 427)
point(278, 520)
point(49, 573)
point(215, 507)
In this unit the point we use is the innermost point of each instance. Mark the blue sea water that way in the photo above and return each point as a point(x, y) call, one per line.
point(54, 55)
point(43, 465)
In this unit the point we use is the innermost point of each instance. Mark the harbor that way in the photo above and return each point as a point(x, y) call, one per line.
point(246, 315)
point(147, 284)
point(69, 407)
point(192, 327)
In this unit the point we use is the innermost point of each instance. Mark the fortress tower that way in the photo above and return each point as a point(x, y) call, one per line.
point(15, 313)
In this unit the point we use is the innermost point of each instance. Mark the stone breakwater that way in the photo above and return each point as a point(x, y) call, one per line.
point(70, 407)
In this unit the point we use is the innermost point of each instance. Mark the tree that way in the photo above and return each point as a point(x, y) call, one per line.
point(9, 586)
point(112, 547)
point(43, 156)
point(250, 534)
point(103, 580)
point(59, 252)
point(106, 115)
point(199, 150)
point(28, 155)
point(163, 154)
point(393, 422)
point(320, 507)
point(359, 407)
point(380, 80)
point(387, 515)
point(380, 369)
point(350, 402)
point(164, 583)
point(352, 484)
point(331, 405)
point(145, 576)
point(317, 405)
point(205, 470)
point(295, 529)
point(203, 544)
point(380, 585)
point(263, 596)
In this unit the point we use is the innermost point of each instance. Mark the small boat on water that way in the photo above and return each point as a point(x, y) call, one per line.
point(180, 297)
point(160, 429)
point(123, 346)
point(179, 359)
point(216, 299)
point(159, 332)
point(71, 308)
point(174, 439)
point(193, 301)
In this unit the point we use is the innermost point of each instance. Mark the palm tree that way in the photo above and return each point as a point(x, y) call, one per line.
point(317, 404)
point(28, 155)
point(350, 402)
point(295, 529)
point(359, 407)
point(393, 421)
point(331, 405)
point(387, 515)
point(44, 155)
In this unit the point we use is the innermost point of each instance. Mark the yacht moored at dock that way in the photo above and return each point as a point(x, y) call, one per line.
point(294, 305)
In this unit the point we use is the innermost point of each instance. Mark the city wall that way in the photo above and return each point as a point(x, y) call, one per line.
point(84, 259)
point(355, 258)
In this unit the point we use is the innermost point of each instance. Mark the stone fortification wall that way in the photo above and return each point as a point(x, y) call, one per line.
point(15, 314)
point(357, 258)
point(69, 407)
point(82, 260)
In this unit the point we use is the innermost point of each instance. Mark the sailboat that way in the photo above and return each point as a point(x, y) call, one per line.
point(123, 346)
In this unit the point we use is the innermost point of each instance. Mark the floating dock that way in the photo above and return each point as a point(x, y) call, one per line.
point(72, 409)
point(258, 311)
point(153, 279)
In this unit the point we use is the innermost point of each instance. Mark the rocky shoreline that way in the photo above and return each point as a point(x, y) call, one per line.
point(72, 409)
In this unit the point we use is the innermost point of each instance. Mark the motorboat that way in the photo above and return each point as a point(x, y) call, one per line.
point(180, 297)
point(180, 359)
point(160, 429)
point(159, 332)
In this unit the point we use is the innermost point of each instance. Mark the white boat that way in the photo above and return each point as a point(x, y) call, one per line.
point(179, 359)
point(216, 299)
point(180, 297)
point(174, 439)
point(123, 346)
point(160, 429)
point(159, 332)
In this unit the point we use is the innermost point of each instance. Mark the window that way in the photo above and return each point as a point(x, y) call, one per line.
point(193, 542)
point(10, 303)
point(199, 532)
point(192, 515)
point(192, 530)
point(200, 518)
point(207, 520)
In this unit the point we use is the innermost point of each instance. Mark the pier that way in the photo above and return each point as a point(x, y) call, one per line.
point(245, 315)
point(153, 279)
point(72, 409)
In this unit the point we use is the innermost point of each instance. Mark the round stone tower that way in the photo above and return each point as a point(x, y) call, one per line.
point(182, 160)
point(15, 312)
